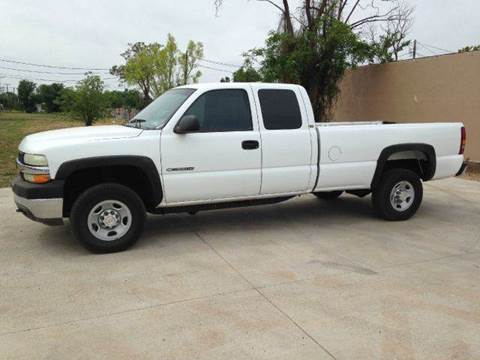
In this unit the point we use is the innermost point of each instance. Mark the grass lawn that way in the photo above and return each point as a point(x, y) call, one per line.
point(14, 126)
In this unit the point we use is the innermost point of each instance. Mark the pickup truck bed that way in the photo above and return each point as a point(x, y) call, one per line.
point(351, 165)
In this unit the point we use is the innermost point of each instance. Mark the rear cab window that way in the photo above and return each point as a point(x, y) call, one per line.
point(280, 109)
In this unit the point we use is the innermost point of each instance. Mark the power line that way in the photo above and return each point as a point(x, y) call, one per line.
point(405, 55)
point(97, 69)
point(41, 72)
point(49, 80)
point(35, 79)
point(52, 66)
point(436, 48)
point(220, 63)
point(215, 69)
point(426, 48)
point(87, 69)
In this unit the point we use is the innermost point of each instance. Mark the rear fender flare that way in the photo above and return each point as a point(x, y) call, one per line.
point(426, 149)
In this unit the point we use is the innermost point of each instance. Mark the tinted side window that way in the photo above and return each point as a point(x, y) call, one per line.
point(222, 110)
point(280, 109)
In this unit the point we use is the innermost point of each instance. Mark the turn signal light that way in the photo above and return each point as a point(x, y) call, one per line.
point(37, 178)
point(463, 141)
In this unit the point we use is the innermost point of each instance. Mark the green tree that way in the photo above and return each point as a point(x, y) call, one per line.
point(132, 99)
point(316, 62)
point(129, 99)
point(316, 42)
point(50, 96)
point(87, 100)
point(9, 101)
point(114, 99)
point(469, 49)
point(165, 66)
point(188, 61)
point(247, 72)
point(139, 68)
point(26, 95)
point(156, 68)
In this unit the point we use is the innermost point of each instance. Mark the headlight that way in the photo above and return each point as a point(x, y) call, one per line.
point(35, 160)
point(34, 168)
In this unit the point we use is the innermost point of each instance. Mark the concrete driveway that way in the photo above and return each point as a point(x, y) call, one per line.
point(305, 279)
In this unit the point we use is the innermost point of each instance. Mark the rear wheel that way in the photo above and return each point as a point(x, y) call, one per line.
point(399, 195)
point(108, 218)
point(328, 195)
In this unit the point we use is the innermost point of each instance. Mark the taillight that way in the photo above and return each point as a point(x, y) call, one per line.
point(463, 141)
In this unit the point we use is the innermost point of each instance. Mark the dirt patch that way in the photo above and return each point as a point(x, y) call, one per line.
point(473, 171)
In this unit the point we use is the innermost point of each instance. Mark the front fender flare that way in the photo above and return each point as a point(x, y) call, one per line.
point(142, 162)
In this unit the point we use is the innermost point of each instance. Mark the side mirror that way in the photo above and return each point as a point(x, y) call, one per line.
point(187, 124)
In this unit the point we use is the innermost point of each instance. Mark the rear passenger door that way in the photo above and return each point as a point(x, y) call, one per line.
point(286, 140)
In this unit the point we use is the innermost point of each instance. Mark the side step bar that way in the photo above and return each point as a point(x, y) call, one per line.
point(192, 209)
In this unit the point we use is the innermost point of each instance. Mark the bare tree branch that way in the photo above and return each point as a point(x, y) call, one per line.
point(352, 11)
point(376, 18)
point(341, 7)
point(288, 19)
point(308, 13)
point(276, 5)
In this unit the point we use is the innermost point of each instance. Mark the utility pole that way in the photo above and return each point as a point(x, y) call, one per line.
point(414, 49)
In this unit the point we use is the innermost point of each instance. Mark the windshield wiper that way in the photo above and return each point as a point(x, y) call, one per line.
point(136, 123)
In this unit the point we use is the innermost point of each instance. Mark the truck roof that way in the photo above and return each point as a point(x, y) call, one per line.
point(241, 85)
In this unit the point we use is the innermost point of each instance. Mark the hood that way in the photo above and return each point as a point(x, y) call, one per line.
point(36, 143)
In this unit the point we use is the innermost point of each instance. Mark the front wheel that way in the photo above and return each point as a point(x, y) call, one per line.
point(108, 218)
point(399, 195)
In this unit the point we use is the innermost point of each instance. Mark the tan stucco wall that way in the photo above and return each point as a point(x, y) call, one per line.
point(443, 88)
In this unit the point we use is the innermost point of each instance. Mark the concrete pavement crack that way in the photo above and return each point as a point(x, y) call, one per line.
point(275, 306)
point(127, 311)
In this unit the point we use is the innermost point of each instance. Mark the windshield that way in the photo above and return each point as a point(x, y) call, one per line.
point(157, 114)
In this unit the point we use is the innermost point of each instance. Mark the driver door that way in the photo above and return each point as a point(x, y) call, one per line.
point(220, 162)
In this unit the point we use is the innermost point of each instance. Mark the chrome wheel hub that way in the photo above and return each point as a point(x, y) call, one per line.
point(402, 195)
point(109, 220)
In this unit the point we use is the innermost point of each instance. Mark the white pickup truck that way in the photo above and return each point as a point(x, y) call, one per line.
point(210, 146)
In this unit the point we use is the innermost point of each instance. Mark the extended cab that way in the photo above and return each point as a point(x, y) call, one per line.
point(209, 146)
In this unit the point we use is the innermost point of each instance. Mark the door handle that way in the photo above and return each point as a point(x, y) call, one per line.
point(250, 144)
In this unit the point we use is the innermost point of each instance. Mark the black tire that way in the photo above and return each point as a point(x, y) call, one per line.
point(381, 195)
point(328, 195)
point(86, 202)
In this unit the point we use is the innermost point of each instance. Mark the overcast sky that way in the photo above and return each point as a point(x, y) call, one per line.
point(86, 33)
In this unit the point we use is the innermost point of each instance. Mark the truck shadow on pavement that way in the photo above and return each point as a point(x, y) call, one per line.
point(306, 212)
point(303, 211)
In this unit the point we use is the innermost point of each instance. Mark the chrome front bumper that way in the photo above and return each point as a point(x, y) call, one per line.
point(47, 211)
point(39, 202)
